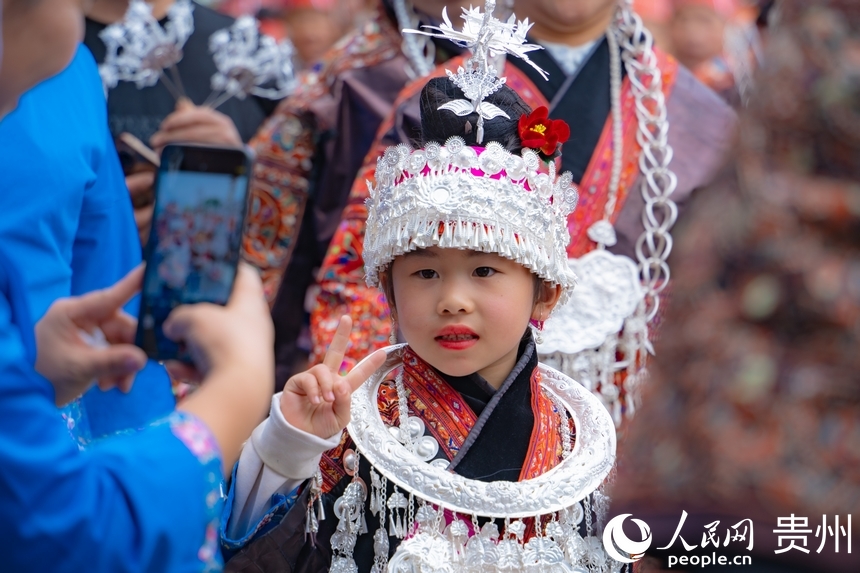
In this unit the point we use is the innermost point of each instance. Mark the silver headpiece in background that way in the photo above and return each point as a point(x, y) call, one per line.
point(250, 63)
point(141, 50)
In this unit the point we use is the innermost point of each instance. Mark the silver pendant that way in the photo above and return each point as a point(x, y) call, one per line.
point(510, 555)
point(542, 554)
point(349, 509)
point(607, 293)
point(428, 551)
point(340, 564)
point(380, 551)
point(425, 552)
point(397, 521)
point(482, 553)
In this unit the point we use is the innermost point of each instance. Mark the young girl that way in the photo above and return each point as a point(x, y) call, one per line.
point(462, 452)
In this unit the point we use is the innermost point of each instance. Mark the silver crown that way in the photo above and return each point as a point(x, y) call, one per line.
point(461, 197)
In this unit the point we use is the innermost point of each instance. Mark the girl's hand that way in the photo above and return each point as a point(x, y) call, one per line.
point(317, 401)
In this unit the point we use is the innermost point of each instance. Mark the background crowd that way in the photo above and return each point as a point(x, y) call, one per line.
point(759, 344)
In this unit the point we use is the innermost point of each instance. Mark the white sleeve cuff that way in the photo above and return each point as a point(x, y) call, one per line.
point(290, 452)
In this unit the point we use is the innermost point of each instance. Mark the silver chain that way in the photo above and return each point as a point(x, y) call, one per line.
point(617, 123)
point(403, 411)
point(419, 50)
point(658, 181)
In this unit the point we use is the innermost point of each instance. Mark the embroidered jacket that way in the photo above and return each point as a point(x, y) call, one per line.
point(509, 434)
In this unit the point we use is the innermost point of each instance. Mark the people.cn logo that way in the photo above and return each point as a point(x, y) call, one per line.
point(617, 543)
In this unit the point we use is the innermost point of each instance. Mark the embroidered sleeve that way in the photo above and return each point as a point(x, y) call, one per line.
point(280, 505)
point(279, 187)
point(199, 440)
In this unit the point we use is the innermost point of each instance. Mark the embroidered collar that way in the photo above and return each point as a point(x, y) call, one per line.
point(478, 393)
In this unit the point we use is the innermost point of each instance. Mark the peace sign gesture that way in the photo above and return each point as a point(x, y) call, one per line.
point(317, 401)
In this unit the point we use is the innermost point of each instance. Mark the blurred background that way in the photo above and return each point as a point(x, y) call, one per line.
point(313, 26)
point(719, 40)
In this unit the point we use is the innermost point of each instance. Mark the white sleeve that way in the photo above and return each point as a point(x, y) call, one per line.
point(277, 459)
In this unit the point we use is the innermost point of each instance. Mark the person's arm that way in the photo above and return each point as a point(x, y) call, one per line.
point(305, 420)
point(276, 460)
point(231, 347)
point(139, 502)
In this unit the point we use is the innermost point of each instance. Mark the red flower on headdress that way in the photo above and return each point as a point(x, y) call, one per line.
point(537, 131)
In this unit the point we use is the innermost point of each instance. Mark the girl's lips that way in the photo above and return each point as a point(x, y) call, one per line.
point(456, 344)
point(456, 338)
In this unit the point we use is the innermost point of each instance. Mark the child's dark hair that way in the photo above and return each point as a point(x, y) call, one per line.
point(438, 125)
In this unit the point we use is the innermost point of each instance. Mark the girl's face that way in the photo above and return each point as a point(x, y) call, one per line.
point(465, 311)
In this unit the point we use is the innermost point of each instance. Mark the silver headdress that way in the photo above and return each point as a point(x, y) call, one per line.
point(141, 50)
point(483, 199)
point(486, 37)
point(478, 198)
point(250, 63)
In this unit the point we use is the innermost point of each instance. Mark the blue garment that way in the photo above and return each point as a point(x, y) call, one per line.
point(144, 501)
point(66, 220)
point(279, 506)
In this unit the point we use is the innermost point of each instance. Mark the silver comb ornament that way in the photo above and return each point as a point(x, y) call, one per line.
point(249, 63)
point(486, 37)
point(139, 49)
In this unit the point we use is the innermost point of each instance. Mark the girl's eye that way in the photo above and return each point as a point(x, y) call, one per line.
point(484, 272)
point(427, 274)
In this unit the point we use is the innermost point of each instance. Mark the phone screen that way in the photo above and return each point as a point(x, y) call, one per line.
point(194, 247)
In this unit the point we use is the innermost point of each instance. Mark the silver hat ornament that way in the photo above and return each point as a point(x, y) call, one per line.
point(455, 196)
point(486, 37)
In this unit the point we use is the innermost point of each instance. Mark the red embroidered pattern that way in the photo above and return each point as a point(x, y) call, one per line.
point(545, 449)
point(286, 146)
point(594, 187)
point(449, 420)
point(278, 194)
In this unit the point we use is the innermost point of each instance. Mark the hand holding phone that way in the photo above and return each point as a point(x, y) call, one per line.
point(201, 196)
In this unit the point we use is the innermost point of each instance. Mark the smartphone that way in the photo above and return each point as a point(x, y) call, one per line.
point(201, 197)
